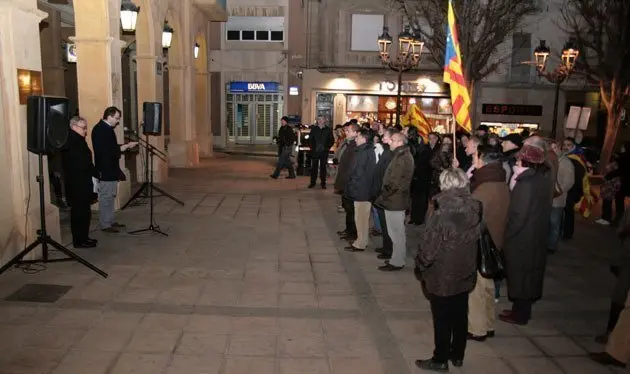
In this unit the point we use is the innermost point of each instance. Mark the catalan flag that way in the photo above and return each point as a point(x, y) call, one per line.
point(454, 74)
point(417, 119)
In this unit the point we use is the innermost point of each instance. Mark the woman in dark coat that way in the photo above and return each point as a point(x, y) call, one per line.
point(526, 233)
point(447, 263)
point(78, 172)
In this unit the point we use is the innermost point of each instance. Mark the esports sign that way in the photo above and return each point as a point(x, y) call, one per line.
point(512, 110)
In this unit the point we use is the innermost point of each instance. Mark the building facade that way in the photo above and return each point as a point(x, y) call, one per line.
point(342, 76)
point(249, 67)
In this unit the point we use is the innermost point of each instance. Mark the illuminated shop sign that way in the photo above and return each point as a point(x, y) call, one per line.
point(512, 110)
point(254, 87)
point(408, 87)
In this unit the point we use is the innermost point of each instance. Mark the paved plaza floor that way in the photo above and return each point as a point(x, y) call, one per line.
point(253, 280)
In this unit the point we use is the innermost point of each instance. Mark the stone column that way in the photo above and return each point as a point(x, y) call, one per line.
point(19, 192)
point(99, 74)
point(183, 148)
point(340, 109)
point(53, 69)
point(202, 113)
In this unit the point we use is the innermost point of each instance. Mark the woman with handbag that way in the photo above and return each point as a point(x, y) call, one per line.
point(526, 233)
point(446, 263)
point(488, 186)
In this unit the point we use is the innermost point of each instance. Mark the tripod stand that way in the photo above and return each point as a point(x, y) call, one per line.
point(146, 190)
point(152, 227)
point(44, 239)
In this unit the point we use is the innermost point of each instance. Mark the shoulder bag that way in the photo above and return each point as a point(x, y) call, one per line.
point(490, 263)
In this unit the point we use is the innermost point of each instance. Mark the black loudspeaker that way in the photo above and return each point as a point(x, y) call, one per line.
point(152, 113)
point(47, 123)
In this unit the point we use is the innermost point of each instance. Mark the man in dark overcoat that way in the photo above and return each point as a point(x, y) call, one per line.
point(78, 173)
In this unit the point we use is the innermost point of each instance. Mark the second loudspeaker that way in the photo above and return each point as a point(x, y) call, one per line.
point(152, 113)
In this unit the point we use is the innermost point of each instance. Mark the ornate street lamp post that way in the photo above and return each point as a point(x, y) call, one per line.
point(407, 57)
point(557, 75)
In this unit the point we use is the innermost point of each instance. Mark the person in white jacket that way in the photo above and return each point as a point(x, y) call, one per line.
point(564, 182)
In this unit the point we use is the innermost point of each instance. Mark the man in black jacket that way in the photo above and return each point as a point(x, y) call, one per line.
point(286, 139)
point(385, 252)
point(107, 154)
point(359, 188)
point(76, 159)
point(321, 140)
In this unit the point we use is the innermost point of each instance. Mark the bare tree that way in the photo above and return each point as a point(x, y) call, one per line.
point(601, 29)
point(483, 25)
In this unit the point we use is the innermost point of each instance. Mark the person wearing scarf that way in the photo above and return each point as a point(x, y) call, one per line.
point(526, 233)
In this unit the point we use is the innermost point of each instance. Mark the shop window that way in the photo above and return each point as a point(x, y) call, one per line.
point(521, 52)
point(365, 31)
point(324, 106)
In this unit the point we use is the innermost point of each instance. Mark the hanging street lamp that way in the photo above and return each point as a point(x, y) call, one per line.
point(128, 15)
point(167, 36)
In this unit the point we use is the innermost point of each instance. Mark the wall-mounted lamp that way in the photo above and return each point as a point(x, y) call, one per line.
point(167, 36)
point(128, 15)
point(29, 84)
point(196, 50)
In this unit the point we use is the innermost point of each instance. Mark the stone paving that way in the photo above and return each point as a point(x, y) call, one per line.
point(253, 280)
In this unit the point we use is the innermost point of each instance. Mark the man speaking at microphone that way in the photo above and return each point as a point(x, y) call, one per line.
point(107, 154)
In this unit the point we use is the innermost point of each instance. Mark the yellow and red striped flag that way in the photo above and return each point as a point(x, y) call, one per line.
point(417, 119)
point(454, 74)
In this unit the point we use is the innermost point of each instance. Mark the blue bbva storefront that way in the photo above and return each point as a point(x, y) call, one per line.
point(253, 111)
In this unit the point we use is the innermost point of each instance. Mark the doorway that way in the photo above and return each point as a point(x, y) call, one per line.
point(253, 118)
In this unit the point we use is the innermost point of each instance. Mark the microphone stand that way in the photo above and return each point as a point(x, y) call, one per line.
point(146, 190)
point(151, 151)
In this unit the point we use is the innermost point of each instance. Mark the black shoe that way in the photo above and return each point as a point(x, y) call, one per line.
point(90, 240)
point(117, 225)
point(390, 267)
point(343, 233)
point(84, 244)
point(349, 238)
point(379, 250)
point(477, 338)
point(310, 186)
point(457, 363)
point(384, 256)
point(432, 365)
point(323, 187)
point(352, 248)
point(490, 334)
point(604, 358)
point(273, 176)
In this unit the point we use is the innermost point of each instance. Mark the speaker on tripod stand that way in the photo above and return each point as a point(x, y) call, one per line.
point(47, 129)
point(152, 125)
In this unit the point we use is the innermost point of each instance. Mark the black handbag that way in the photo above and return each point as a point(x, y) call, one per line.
point(490, 263)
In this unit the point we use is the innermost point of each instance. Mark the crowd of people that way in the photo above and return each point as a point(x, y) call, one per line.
point(523, 189)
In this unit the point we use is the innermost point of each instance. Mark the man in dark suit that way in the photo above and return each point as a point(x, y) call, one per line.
point(321, 140)
point(107, 154)
point(78, 170)
point(286, 139)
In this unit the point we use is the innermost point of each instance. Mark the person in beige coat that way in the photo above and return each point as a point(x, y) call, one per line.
point(488, 186)
point(618, 347)
point(565, 178)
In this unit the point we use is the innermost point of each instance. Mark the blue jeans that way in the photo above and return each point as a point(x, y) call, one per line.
point(377, 221)
point(557, 215)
